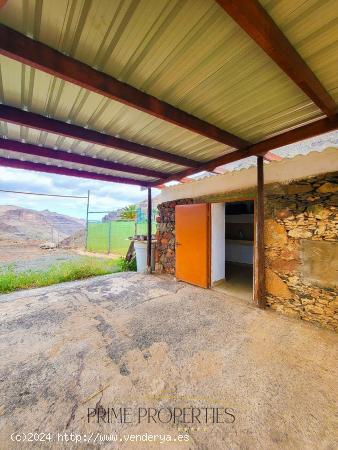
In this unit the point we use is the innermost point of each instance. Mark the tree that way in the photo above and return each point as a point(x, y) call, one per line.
point(128, 213)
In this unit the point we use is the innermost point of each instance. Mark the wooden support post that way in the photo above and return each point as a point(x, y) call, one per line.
point(149, 232)
point(259, 265)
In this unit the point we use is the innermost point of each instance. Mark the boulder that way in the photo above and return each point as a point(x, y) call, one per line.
point(276, 286)
point(299, 233)
point(328, 188)
point(274, 234)
point(299, 188)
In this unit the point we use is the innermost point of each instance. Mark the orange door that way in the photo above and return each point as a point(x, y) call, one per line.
point(192, 243)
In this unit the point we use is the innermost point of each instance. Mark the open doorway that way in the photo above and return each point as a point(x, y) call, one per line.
point(232, 248)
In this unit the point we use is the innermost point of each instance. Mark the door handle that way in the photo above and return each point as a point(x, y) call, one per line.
point(177, 244)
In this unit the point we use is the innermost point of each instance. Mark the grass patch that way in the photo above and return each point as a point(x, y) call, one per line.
point(67, 271)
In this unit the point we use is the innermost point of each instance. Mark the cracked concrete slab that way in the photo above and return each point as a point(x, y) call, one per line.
point(136, 340)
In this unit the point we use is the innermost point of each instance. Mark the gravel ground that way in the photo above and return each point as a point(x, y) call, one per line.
point(137, 341)
point(23, 257)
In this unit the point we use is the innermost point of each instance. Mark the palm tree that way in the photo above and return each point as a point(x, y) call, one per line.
point(128, 213)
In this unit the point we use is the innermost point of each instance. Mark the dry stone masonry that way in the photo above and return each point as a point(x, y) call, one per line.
point(165, 236)
point(301, 246)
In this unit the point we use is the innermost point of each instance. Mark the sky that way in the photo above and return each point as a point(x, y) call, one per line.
point(104, 196)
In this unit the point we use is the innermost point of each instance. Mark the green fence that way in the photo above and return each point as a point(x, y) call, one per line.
point(112, 237)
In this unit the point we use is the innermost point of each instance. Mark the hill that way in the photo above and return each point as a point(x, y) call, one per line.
point(22, 224)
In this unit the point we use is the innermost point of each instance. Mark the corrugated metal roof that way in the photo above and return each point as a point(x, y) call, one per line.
point(53, 141)
point(42, 93)
point(312, 28)
point(69, 165)
point(189, 53)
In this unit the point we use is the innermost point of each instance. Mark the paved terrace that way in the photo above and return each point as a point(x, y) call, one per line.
point(135, 340)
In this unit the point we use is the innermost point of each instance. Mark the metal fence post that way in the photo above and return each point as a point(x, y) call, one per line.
point(109, 236)
point(87, 225)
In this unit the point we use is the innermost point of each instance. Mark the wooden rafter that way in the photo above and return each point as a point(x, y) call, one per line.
point(61, 155)
point(38, 55)
point(32, 120)
point(261, 148)
point(257, 23)
point(38, 167)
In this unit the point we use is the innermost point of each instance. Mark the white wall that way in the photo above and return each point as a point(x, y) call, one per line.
point(239, 252)
point(284, 171)
point(217, 242)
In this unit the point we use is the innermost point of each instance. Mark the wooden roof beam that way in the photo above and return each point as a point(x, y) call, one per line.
point(38, 55)
point(32, 120)
point(257, 23)
point(261, 148)
point(38, 167)
point(62, 155)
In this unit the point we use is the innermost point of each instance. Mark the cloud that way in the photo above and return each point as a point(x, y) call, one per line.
point(103, 196)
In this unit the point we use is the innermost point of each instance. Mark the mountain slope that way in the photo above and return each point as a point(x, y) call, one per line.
point(24, 224)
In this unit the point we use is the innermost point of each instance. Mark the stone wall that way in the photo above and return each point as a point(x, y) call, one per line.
point(165, 236)
point(301, 248)
point(301, 245)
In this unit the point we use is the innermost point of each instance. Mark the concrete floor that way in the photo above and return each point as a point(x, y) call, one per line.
point(238, 281)
point(132, 340)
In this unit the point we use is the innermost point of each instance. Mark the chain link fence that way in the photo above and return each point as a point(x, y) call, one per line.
point(113, 236)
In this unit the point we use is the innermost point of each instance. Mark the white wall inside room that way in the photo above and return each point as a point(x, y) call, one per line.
point(239, 249)
point(217, 242)
point(240, 252)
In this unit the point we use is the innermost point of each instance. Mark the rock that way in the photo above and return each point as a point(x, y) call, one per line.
point(274, 234)
point(293, 280)
point(299, 188)
point(276, 286)
point(290, 312)
point(299, 233)
point(307, 301)
point(284, 213)
point(318, 211)
point(313, 309)
point(283, 265)
point(48, 245)
point(320, 230)
point(312, 198)
point(291, 252)
point(328, 188)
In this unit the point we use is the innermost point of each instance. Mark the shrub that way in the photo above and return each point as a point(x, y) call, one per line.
point(127, 266)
